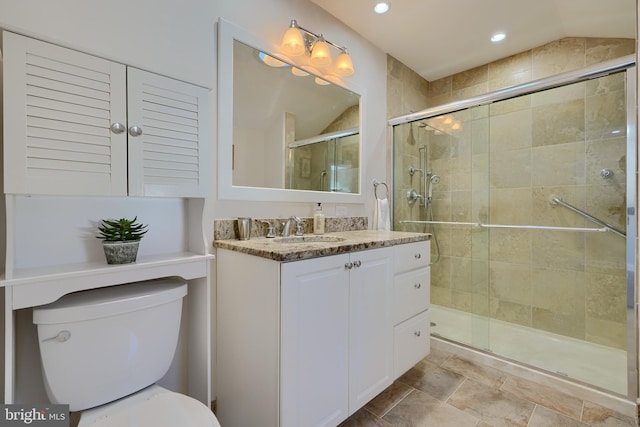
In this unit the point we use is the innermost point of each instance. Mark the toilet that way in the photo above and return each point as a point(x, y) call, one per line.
point(102, 351)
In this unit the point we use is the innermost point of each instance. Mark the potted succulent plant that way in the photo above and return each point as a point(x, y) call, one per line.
point(120, 239)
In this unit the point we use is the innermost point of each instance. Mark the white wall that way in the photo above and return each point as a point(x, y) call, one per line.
point(171, 37)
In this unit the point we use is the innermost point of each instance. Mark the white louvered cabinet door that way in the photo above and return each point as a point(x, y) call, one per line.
point(59, 106)
point(167, 157)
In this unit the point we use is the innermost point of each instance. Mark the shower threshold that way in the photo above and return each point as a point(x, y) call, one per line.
point(601, 366)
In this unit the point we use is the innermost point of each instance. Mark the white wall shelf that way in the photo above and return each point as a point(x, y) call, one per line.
point(37, 286)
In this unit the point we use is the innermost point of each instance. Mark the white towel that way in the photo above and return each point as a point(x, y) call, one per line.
point(381, 218)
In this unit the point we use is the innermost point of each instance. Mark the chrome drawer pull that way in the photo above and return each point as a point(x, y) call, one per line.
point(418, 255)
point(417, 333)
point(417, 285)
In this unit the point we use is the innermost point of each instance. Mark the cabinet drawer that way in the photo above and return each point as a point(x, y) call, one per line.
point(411, 256)
point(411, 293)
point(411, 342)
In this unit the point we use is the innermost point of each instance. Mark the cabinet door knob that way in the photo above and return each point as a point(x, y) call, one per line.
point(357, 263)
point(118, 127)
point(418, 255)
point(135, 131)
point(417, 333)
point(348, 265)
point(417, 285)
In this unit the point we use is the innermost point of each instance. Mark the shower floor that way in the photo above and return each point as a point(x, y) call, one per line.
point(594, 364)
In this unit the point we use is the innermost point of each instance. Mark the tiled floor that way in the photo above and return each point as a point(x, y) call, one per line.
point(445, 390)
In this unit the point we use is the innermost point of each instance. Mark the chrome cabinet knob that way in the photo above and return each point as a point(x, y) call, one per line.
point(417, 333)
point(418, 255)
point(117, 128)
point(357, 263)
point(135, 131)
point(348, 265)
point(417, 285)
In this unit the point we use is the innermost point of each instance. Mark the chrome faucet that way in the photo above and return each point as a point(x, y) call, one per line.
point(286, 226)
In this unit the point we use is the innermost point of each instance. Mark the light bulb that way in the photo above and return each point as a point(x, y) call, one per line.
point(344, 66)
point(292, 41)
point(320, 53)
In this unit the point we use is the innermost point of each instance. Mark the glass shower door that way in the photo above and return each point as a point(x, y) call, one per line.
point(527, 200)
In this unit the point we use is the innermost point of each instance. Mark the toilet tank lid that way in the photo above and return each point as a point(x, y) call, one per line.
point(110, 301)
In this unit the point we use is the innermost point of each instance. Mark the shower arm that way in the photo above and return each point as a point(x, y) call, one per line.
point(558, 201)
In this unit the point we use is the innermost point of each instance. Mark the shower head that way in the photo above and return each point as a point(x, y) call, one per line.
point(433, 180)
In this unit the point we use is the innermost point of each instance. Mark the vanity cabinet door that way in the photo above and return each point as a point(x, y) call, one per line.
point(371, 336)
point(59, 105)
point(314, 360)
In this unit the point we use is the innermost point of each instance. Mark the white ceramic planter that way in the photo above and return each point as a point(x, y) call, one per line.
point(124, 252)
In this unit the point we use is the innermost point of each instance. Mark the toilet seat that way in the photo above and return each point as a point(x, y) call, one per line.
point(151, 407)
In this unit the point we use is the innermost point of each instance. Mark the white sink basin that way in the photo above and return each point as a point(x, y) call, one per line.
point(309, 239)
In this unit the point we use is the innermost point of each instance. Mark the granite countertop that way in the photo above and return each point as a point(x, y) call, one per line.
point(291, 249)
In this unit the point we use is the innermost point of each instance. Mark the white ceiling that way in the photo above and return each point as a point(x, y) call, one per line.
point(437, 38)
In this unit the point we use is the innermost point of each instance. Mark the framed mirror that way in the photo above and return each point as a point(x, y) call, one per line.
point(284, 133)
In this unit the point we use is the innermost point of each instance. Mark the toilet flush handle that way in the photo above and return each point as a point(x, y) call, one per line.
point(62, 336)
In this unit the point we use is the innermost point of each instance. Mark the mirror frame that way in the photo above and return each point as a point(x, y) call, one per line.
point(227, 33)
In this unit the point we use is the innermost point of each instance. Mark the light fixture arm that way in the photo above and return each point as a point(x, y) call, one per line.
point(309, 42)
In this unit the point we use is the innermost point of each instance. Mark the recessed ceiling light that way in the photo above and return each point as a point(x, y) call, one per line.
point(382, 7)
point(498, 37)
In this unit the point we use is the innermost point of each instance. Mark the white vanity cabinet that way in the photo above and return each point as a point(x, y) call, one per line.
point(411, 298)
point(335, 336)
point(76, 124)
point(309, 342)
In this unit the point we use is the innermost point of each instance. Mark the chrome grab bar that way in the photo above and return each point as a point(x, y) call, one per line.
point(558, 201)
point(520, 227)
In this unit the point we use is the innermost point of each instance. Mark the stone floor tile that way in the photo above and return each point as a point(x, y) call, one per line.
point(481, 373)
point(437, 356)
point(364, 418)
point(545, 396)
point(432, 379)
point(493, 406)
point(544, 417)
point(597, 416)
point(419, 409)
point(382, 403)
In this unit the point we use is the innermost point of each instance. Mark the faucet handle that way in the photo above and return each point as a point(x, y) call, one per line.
point(299, 228)
point(271, 233)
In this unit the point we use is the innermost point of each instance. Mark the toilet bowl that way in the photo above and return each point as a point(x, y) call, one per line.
point(103, 350)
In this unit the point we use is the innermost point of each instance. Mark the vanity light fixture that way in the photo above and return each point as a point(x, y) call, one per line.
point(298, 41)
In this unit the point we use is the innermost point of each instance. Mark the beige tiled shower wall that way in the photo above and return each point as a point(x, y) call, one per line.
point(551, 143)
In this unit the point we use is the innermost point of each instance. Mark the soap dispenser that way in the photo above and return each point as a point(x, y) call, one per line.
point(318, 220)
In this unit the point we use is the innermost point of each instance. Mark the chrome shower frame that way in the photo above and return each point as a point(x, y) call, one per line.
point(623, 64)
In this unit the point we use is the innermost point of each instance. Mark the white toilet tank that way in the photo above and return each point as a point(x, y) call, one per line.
point(100, 345)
